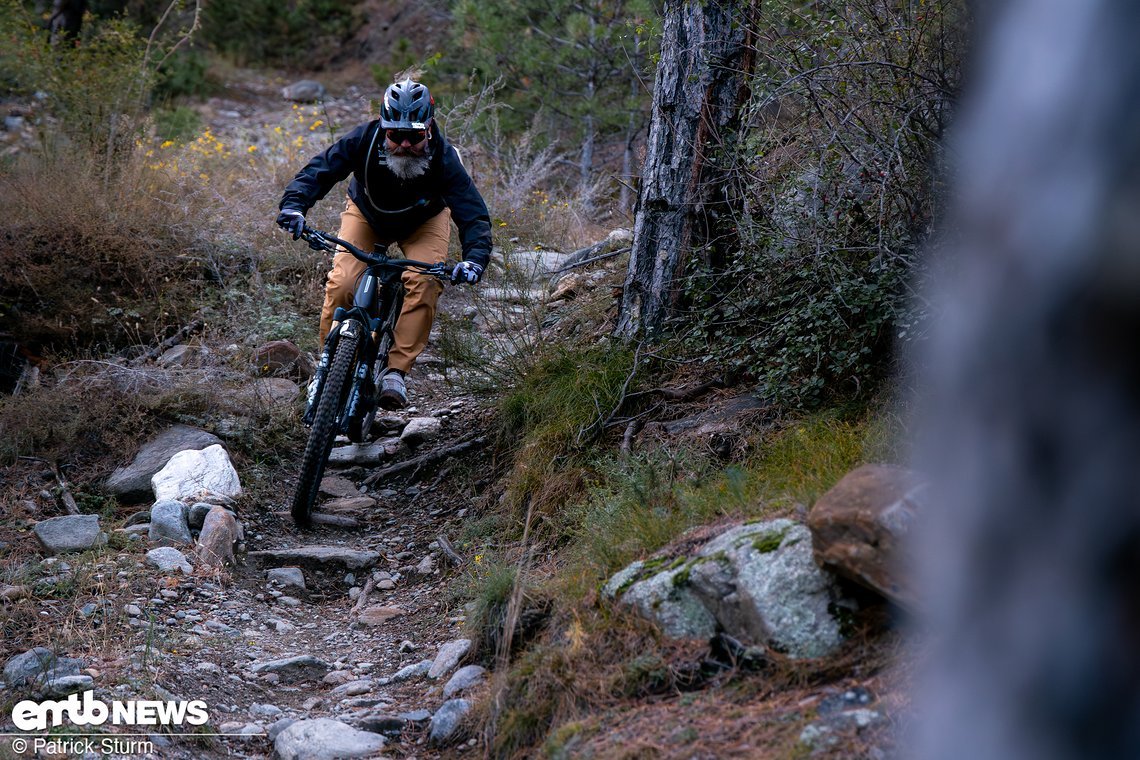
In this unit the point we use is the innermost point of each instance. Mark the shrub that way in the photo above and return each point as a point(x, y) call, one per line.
point(275, 33)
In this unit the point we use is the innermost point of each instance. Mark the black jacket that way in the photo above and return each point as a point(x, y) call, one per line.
point(395, 207)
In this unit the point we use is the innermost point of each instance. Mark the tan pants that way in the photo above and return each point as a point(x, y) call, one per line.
point(428, 243)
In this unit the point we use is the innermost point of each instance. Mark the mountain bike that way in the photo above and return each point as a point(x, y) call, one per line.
point(342, 399)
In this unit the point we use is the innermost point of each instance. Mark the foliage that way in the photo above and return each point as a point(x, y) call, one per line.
point(185, 73)
point(97, 89)
point(178, 124)
point(579, 65)
point(276, 33)
point(831, 194)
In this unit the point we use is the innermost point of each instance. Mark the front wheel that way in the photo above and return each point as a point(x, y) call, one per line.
point(323, 432)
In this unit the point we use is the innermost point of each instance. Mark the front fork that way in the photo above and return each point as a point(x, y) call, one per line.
point(322, 371)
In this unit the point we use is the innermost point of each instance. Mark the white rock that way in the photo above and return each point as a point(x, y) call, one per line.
point(325, 739)
point(190, 473)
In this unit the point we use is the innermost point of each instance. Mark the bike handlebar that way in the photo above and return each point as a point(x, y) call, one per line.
point(323, 241)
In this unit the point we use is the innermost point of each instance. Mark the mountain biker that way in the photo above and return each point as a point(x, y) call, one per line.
point(407, 184)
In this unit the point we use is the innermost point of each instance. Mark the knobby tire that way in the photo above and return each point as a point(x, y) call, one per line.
point(323, 432)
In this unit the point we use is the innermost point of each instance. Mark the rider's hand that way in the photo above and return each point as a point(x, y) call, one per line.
point(466, 271)
point(292, 221)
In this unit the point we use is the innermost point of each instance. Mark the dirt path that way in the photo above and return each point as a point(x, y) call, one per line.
point(270, 622)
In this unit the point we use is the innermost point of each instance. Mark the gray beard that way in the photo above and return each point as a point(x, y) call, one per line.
point(408, 167)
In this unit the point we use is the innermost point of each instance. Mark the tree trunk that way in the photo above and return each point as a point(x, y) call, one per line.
point(67, 19)
point(696, 97)
point(632, 128)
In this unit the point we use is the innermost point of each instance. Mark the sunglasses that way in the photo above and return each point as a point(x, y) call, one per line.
point(413, 136)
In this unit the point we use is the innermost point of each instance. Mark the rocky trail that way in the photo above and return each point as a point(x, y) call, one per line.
point(342, 640)
point(350, 639)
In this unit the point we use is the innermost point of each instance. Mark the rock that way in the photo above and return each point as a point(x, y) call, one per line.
point(336, 486)
point(216, 542)
point(39, 665)
point(274, 730)
point(282, 357)
point(569, 286)
point(416, 716)
point(420, 430)
point(374, 616)
point(859, 528)
point(325, 739)
point(168, 526)
point(304, 91)
point(304, 667)
point(190, 473)
point(258, 710)
point(464, 678)
point(757, 582)
point(196, 515)
point(380, 723)
point(318, 555)
point(168, 559)
point(70, 533)
point(446, 720)
point(272, 391)
point(449, 656)
point(61, 686)
point(287, 576)
point(182, 355)
point(364, 453)
point(139, 518)
point(337, 677)
point(763, 586)
point(426, 566)
point(825, 733)
point(353, 688)
point(409, 672)
point(622, 580)
point(349, 504)
point(672, 605)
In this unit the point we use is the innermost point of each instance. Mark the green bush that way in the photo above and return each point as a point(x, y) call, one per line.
point(179, 123)
point(275, 33)
point(186, 73)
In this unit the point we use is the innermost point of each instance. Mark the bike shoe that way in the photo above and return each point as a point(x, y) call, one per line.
point(393, 393)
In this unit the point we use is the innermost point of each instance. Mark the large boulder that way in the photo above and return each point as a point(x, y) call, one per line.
point(70, 533)
point(39, 665)
point(859, 528)
point(763, 586)
point(131, 484)
point(757, 582)
point(193, 474)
